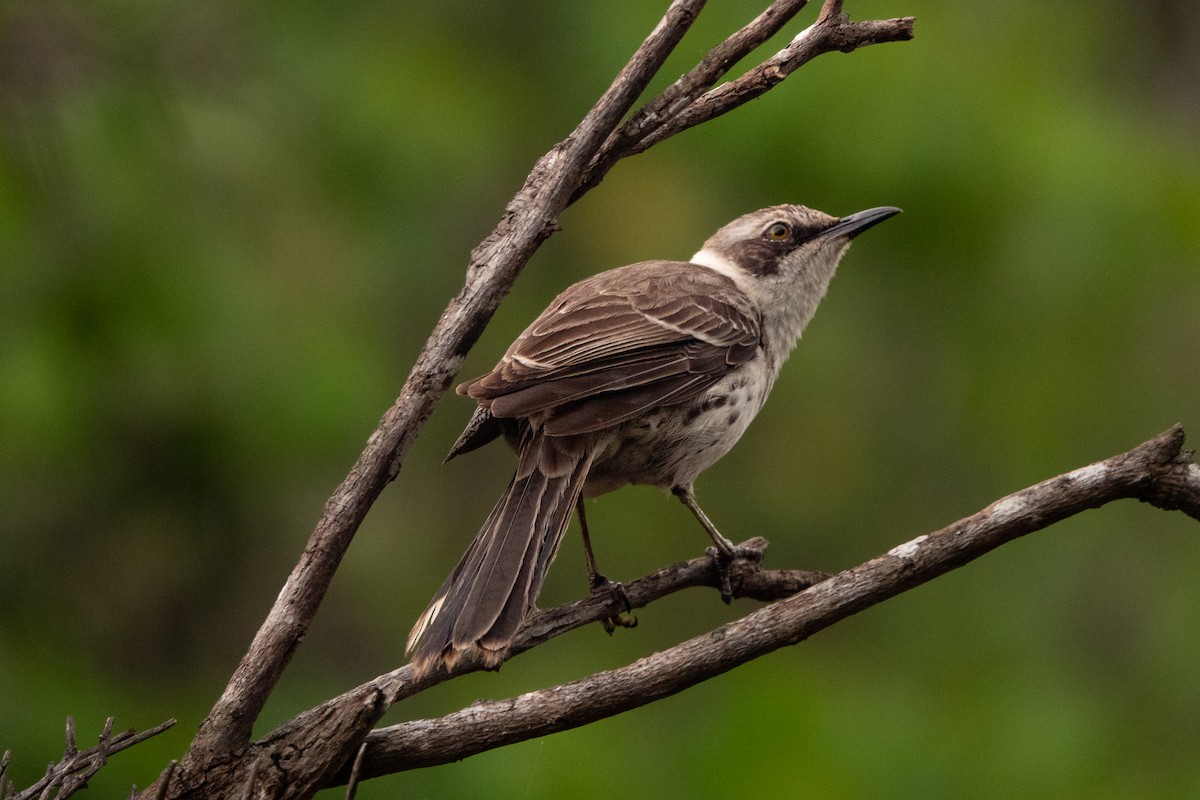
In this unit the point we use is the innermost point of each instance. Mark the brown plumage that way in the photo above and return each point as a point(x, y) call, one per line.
point(644, 374)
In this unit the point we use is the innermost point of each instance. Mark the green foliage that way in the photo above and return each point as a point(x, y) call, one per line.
point(225, 230)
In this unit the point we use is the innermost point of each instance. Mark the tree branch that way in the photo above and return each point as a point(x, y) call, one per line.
point(1157, 472)
point(751, 581)
point(71, 773)
point(831, 32)
point(686, 103)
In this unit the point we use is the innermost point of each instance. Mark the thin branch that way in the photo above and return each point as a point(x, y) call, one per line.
point(833, 32)
point(751, 581)
point(1157, 472)
point(72, 772)
point(686, 104)
point(352, 783)
point(71, 750)
point(164, 780)
point(689, 86)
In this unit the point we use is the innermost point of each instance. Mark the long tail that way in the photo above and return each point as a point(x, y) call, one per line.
point(488, 595)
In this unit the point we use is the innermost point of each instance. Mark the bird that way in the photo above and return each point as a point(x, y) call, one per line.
point(644, 374)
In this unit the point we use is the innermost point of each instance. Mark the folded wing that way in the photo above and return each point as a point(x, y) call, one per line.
point(619, 343)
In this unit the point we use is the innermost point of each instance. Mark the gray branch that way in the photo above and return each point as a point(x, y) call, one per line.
point(750, 580)
point(1158, 472)
point(691, 100)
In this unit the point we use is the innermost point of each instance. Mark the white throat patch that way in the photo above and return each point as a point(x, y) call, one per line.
point(719, 263)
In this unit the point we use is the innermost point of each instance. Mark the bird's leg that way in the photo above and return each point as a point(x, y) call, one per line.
point(597, 583)
point(724, 552)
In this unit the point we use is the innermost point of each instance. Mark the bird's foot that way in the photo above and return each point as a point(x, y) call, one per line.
point(725, 559)
point(614, 593)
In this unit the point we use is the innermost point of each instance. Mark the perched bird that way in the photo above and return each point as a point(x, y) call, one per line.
point(646, 374)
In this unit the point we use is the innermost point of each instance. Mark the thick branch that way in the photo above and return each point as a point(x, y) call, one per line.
point(320, 735)
point(751, 582)
point(1157, 472)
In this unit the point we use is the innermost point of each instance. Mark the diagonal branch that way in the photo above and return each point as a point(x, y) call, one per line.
point(691, 85)
point(752, 583)
point(831, 32)
point(687, 102)
point(1157, 472)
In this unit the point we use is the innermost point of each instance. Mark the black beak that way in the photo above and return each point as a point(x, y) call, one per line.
point(854, 224)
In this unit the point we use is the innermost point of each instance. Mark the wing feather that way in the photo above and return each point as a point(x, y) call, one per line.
point(621, 342)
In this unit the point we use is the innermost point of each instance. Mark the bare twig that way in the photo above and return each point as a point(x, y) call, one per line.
point(72, 772)
point(71, 750)
point(832, 32)
point(352, 783)
point(686, 104)
point(688, 87)
point(1157, 472)
point(164, 780)
point(752, 582)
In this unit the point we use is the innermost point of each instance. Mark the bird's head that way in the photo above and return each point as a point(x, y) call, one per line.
point(784, 257)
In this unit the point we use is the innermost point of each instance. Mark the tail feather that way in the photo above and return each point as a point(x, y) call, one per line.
point(485, 599)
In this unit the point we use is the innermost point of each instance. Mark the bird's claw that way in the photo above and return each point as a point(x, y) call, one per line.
point(615, 592)
point(723, 559)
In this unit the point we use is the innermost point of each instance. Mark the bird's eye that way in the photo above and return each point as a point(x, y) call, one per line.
point(779, 232)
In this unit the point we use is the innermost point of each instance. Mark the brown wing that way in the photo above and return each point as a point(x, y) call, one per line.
point(611, 346)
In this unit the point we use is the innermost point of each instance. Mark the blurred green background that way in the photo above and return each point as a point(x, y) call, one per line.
point(226, 228)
